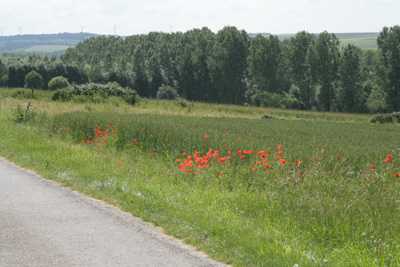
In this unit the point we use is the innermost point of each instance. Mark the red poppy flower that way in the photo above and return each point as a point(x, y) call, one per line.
point(389, 159)
point(279, 146)
point(397, 175)
point(311, 159)
point(239, 153)
point(254, 169)
point(118, 163)
point(239, 139)
point(280, 152)
point(267, 166)
point(150, 154)
point(184, 154)
point(206, 137)
point(373, 167)
point(242, 157)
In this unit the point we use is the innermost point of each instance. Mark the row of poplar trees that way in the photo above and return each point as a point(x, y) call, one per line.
point(230, 67)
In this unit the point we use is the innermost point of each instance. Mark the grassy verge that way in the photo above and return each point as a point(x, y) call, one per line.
point(327, 198)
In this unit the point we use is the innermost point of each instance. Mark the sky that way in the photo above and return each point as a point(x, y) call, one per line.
point(125, 17)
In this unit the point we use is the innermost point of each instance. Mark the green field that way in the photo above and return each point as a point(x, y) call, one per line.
point(363, 40)
point(307, 188)
point(46, 48)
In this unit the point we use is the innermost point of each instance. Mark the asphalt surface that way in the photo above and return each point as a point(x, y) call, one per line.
point(45, 224)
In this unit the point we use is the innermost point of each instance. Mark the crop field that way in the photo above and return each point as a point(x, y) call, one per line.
point(308, 188)
point(367, 42)
point(362, 40)
point(46, 48)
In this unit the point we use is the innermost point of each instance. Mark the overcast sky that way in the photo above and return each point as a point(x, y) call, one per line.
point(143, 16)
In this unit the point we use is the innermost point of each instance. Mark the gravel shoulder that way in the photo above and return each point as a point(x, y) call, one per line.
point(45, 224)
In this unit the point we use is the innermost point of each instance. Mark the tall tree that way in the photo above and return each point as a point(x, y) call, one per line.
point(323, 62)
point(350, 78)
point(203, 44)
point(389, 48)
point(267, 65)
point(297, 50)
point(228, 64)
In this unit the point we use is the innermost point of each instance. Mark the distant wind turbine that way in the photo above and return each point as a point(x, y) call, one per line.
point(20, 30)
point(82, 27)
point(2, 29)
point(171, 27)
point(115, 29)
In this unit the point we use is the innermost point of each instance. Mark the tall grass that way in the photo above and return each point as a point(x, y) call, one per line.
point(335, 208)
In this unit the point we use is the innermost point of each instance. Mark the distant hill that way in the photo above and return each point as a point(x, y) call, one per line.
point(41, 43)
point(56, 44)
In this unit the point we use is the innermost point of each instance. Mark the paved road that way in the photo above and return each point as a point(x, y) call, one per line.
point(45, 224)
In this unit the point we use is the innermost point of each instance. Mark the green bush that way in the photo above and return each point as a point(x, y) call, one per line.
point(266, 99)
point(293, 103)
point(167, 92)
point(58, 83)
point(179, 101)
point(20, 94)
point(131, 97)
point(63, 95)
point(95, 93)
point(386, 118)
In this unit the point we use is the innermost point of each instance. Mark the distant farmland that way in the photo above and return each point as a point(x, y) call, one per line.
point(365, 40)
point(47, 48)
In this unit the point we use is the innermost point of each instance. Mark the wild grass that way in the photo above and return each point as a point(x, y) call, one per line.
point(336, 210)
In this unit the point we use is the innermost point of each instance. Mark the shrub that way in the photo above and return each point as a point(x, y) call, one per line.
point(293, 103)
point(167, 92)
point(63, 95)
point(20, 93)
point(266, 99)
point(96, 93)
point(386, 118)
point(131, 97)
point(179, 101)
point(58, 83)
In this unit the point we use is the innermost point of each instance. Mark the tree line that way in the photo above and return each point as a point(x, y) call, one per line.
point(13, 70)
point(306, 72)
